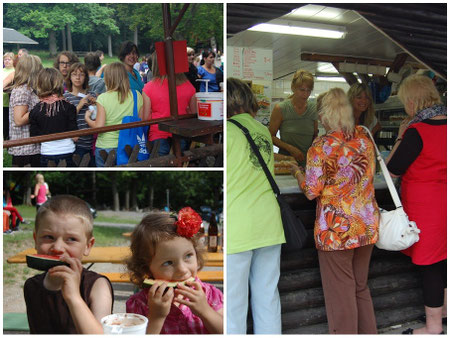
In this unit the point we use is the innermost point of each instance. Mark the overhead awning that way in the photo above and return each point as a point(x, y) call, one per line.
point(420, 29)
point(12, 36)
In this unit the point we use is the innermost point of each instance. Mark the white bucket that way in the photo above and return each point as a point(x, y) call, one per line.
point(124, 323)
point(210, 105)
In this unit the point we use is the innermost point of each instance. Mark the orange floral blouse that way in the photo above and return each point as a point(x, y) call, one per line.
point(339, 172)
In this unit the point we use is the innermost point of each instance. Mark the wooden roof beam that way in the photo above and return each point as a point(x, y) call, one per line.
point(349, 77)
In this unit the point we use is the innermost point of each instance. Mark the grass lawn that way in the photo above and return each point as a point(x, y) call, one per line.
point(23, 239)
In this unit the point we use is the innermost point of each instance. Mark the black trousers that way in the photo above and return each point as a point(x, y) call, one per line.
point(434, 279)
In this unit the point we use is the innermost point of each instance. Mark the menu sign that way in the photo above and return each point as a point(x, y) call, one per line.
point(250, 63)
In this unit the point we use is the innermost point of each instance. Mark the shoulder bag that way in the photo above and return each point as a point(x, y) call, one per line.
point(294, 229)
point(396, 231)
point(132, 136)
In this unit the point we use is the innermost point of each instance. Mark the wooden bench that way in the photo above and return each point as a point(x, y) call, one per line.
point(204, 275)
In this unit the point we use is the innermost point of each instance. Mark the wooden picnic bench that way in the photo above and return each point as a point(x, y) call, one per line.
point(112, 254)
point(204, 275)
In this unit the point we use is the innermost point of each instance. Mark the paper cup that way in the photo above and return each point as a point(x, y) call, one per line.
point(124, 323)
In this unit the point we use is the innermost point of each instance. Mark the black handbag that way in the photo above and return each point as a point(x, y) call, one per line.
point(294, 229)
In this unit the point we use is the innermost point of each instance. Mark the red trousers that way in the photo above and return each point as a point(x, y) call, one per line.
point(14, 215)
point(347, 297)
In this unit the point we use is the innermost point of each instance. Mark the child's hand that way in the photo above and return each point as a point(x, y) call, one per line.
point(194, 298)
point(159, 302)
point(70, 277)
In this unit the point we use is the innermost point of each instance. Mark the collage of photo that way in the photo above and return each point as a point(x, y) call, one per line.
point(224, 168)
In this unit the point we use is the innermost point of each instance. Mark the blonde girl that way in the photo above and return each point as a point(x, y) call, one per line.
point(112, 107)
point(23, 99)
point(41, 191)
point(167, 249)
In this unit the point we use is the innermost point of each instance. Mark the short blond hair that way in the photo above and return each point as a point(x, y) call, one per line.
point(302, 77)
point(336, 111)
point(9, 54)
point(27, 70)
point(420, 90)
point(67, 205)
point(50, 81)
point(116, 80)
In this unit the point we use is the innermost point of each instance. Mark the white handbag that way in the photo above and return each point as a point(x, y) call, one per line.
point(396, 231)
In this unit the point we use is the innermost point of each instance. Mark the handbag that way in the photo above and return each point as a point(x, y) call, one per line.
point(294, 229)
point(396, 231)
point(132, 136)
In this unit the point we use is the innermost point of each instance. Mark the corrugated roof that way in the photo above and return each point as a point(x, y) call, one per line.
point(12, 36)
point(419, 29)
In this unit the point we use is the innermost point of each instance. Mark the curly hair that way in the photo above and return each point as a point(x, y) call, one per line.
point(420, 90)
point(154, 228)
point(336, 111)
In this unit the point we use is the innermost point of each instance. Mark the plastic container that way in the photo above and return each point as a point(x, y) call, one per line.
point(209, 104)
point(124, 323)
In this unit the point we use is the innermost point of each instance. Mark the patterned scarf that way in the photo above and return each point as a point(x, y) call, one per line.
point(428, 113)
point(53, 104)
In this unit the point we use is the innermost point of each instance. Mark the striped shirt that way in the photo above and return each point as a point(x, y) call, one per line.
point(83, 141)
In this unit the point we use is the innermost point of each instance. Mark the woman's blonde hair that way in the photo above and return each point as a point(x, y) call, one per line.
point(420, 90)
point(367, 117)
point(116, 80)
point(27, 70)
point(336, 111)
point(50, 81)
point(302, 77)
point(10, 55)
point(180, 78)
point(40, 178)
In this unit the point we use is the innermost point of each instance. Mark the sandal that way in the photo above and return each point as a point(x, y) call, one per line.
point(411, 331)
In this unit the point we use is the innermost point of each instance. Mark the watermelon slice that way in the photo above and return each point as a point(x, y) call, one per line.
point(149, 282)
point(43, 262)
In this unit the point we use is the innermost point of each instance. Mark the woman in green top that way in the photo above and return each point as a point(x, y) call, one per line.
point(112, 107)
point(295, 118)
point(254, 228)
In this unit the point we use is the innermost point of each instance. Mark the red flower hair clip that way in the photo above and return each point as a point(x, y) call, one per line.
point(189, 222)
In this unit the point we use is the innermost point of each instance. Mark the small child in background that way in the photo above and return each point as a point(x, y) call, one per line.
point(167, 250)
point(41, 191)
point(53, 114)
point(66, 299)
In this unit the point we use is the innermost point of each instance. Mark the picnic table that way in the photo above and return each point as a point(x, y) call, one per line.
point(113, 254)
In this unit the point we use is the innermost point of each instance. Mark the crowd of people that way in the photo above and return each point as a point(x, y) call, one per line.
point(74, 95)
point(337, 170)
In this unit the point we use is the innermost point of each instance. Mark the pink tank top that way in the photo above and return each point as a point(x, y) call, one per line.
point(42, 195)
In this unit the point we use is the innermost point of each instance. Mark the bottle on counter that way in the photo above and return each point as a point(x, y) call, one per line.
point(213, 232)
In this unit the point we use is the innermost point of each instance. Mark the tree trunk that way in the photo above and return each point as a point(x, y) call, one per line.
point(134, 206)
point(115, 193)
point(151, 197)
point(135, 37)
point(69, 39)
point(52, 43)
point(64, 40)
point(110, 54)
point(90, 46)
point(94, 190)
point(127, 199)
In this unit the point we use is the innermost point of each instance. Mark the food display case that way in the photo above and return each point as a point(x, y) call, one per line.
point(390, 114)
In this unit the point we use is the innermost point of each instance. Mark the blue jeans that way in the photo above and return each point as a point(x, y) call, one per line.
point(261, 269)
point(57, 158)
point(98, 159)
point(82, 151)
point(166, 143)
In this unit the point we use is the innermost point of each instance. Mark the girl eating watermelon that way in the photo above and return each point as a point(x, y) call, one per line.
point(165, 255)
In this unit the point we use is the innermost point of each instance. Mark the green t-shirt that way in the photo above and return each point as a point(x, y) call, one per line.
point(297, 130)
point(253, 214)
point(6, 72)
point(115, 112)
